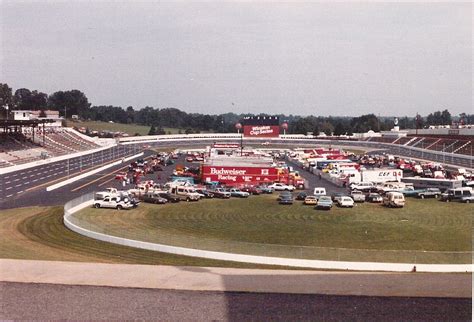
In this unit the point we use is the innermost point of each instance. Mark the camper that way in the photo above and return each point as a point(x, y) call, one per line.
point(394, 199)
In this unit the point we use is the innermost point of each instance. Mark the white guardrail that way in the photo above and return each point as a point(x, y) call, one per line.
point(87, 200)
point(445, 157)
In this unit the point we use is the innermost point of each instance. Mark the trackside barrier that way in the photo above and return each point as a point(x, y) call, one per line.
point(87, 200)
point(84, 175)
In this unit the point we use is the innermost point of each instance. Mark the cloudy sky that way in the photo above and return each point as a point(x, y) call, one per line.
point(298, 58)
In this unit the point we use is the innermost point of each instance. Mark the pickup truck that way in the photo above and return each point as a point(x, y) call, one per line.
point(112, 202)
point(220, 193)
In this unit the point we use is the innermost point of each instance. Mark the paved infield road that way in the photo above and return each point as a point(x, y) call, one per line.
point(48, 301)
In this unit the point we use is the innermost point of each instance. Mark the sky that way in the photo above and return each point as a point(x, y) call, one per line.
point(303, 58)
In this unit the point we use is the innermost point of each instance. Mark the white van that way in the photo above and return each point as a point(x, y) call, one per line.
point(394, 199)
point(319, 191)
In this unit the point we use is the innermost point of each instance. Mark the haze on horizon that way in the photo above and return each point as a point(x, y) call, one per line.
point(245, 57)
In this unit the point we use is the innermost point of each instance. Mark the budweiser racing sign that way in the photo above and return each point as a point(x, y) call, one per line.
point(239, 174)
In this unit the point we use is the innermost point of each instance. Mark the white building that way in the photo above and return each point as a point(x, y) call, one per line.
point(26, 115)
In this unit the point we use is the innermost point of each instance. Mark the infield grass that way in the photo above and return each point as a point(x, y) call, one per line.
point(425, 231)
point(38, 233)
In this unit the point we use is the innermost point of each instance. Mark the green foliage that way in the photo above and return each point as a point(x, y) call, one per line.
point(439, 118)
point(152, 130)
point(24, 99)
point(73, 102)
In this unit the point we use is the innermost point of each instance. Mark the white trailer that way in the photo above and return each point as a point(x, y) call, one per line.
point(381, 175)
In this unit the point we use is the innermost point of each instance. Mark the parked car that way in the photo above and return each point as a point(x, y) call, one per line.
point(456, 194)
point(467, 198)
point(220, 193)
point(394, 199)
point(374, 197)
point(362, 186)
point(429, 193)
point(112, 202)
point(284, 194)
point(301, 196)
point(286, 200)
point(310, 200)
point(337, 196)
point(346, 202)
point(234, 192)
point(252, 190)
point(168, 196)
point(205, 193)
point(120, 175)
point(281, 187)
point(266, 189)
point(155, 199)
point(185, 193)
point(324, 202)
point(358, 196)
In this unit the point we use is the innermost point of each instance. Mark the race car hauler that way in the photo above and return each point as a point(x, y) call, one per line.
point(381, 175)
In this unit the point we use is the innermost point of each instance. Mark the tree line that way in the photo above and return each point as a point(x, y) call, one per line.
point(75, 102)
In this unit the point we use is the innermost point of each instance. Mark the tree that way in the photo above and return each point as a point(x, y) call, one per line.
point(160, 131)
point(130, 115)
point(188, 131)
point(73, 102)
point(24, 99)
point(152, 130)
point(446, 118)
point(339, 129)
point(6, 97)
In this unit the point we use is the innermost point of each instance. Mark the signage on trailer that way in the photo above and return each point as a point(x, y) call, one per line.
point(233, 175)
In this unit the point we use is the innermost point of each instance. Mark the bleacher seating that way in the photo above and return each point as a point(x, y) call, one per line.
point(382, 139)
point(19, 148)
point(403, 140)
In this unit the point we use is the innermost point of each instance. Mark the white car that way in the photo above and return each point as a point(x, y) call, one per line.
point(234, 192)
point(347, 202)
point(282, 187)
point(112, 202)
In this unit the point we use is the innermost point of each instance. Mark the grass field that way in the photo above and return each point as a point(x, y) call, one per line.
point(131, 129)
point(425, 231)
point(38, 233)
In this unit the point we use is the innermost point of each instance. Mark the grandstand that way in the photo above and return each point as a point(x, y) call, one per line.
point(36, 143)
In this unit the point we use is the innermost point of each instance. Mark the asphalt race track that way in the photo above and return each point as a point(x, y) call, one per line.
point(58, 302)
point(45, 301)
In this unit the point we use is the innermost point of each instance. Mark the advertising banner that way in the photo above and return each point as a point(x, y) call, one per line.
point(233, 175)
point(261, 130)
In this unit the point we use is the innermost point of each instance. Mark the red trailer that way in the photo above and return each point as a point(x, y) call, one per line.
point(234, 175)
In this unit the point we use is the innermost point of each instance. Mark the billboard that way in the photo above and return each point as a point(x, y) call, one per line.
point(261, 126)
point(261, 130)
point(238, 175)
